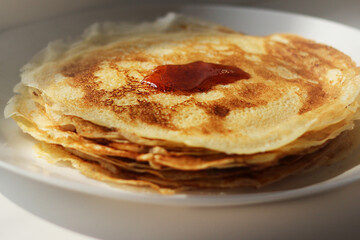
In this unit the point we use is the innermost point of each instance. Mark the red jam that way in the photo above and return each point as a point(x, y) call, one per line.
point(193, 77)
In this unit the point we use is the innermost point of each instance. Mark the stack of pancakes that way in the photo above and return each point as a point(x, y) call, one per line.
point(85, 100)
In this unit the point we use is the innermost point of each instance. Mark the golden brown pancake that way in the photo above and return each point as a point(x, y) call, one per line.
point(296, 85)
point(267, 107)
point(169, 182)
point(159, 157)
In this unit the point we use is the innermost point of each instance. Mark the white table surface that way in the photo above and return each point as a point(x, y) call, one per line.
point(341, 206)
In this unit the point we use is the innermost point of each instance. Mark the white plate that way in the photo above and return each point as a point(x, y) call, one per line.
point(18, 159)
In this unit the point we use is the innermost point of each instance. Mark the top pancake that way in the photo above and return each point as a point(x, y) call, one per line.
point(295, 84)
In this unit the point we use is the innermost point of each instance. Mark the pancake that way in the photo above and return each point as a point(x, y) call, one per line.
point(99, 79)
point(172, 182)
point(244, 110)
point(159, 157)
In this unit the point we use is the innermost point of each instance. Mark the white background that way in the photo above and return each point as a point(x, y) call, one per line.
point(16, 223)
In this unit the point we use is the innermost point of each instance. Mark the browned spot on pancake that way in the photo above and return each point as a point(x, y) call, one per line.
point(81, 69)
point(213, 125)
point(220, 111)
point(108, 102)
point(35, 94)
point(315, 98)
point(139, 58)
point(290, 56)
point(214, 109)
point(151, 113)
point(239, 103)
point(323, 52)
point(304, 57)
point(80, 74)
point(113, 65)
point(119, 109)
point(250, 95)
point(93, 96)
point(205, 131)
point(257, 91)
point(310, 61)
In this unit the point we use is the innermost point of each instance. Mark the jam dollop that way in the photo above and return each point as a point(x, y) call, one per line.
point(193, 77)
